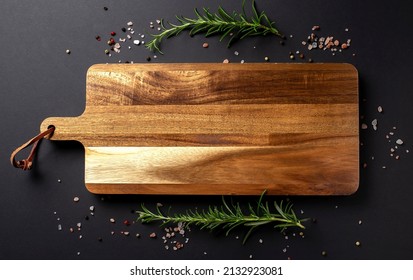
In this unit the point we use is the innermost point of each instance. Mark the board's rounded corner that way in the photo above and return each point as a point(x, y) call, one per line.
point(352, 67)
point(93, 67)
point(353, 189)
point(92, 188)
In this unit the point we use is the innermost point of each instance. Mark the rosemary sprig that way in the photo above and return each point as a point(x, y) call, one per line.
point(229, 217)
point(235, 25)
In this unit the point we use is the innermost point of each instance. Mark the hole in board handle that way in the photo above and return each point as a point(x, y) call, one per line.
point(51, 126)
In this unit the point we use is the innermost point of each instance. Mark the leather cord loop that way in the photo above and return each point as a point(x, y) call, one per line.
point(26, 164)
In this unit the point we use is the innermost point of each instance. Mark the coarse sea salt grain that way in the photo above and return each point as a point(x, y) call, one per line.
point(374, 124)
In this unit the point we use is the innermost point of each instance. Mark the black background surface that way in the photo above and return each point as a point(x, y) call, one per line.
point(38, 79)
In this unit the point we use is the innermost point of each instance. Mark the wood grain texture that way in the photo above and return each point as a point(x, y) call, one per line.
point(218, 129)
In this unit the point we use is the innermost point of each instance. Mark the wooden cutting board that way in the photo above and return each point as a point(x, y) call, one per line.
point(291, 129)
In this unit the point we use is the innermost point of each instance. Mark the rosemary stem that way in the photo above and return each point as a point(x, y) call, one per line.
point(196, 220)
point(237, 24)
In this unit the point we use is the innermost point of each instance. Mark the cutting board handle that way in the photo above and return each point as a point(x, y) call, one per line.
point(63, 127)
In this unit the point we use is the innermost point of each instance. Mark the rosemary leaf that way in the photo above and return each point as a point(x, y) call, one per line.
point(235, 25)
